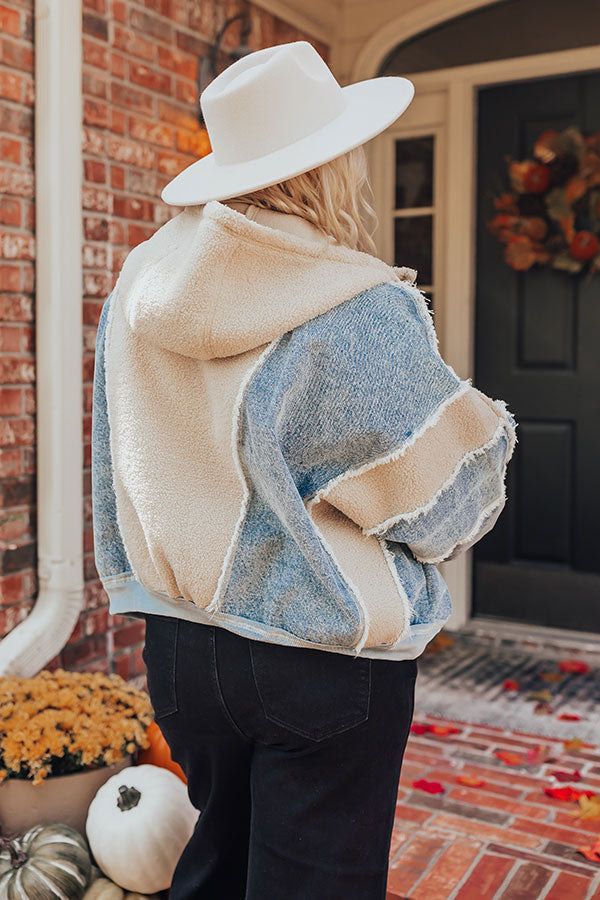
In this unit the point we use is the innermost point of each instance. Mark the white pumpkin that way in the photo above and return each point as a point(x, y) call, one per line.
point(138, 825)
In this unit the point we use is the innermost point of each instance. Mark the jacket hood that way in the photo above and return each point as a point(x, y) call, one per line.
point(215, 281)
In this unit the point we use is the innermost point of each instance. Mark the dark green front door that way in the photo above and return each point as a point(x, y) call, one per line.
point(537, 347)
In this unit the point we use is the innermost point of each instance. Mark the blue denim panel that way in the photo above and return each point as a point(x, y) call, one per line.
point(348, 386)
point(454, 515)
point(273, 582)
point(426, 589)
point(109, 550)
point(343, 388)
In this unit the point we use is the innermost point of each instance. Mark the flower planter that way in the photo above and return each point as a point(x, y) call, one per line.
point(65, 798)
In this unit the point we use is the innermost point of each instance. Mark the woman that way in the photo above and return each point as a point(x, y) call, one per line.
point(281, 457)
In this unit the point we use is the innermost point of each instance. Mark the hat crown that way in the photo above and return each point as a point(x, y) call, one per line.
point(268, 100)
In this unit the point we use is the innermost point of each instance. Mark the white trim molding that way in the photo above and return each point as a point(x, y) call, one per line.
point(59, 346)
point(406, 26)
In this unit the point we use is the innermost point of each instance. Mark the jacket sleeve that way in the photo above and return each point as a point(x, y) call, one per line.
point(434, 478)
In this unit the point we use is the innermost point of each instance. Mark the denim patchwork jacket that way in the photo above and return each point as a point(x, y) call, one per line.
point(278, 447)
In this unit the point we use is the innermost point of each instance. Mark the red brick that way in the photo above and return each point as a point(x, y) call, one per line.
point(10, 462)
point(131, 98)
point(119, 11)
point(95, 113)
point(11, 589)
point(484, 831)
point(126, 151)
point(117, 178)
point(180, 63)
point(118, 121)
point(95, 229)
point(95, 54)
point(151, 25)
point(118, 65)
point(94, 83)
point(11, 401)
point(96, 621)
point(568, 887)
point(95, 26)
point(406, 868)
point(176, 115)
point(411, 813)
point(480, 798)
point(133, 208)
point(10, 21)
point(10, 212)
point(152, 132)
point(16, 55)
point(12, 615)
point(96, 199)
point(129, 634)
point(82, 653)
point(10, 150)
point(486, 878)
point(16, 246)
point(122, 666)
point(16, 181)
point(129, 42)
point(450, 777)
point(95, 171)
point(137, 233)
point(11, 86)
point(16, 309)
point(186, 92)
point(94, 257)
point(553, 832)
point(146, 77)
point(96, 284)
point(447, 871)
point(527, 883)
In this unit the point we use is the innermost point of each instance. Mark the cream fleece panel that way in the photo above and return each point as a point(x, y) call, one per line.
point(408, 482)
point(363, 564)
point(193, 310)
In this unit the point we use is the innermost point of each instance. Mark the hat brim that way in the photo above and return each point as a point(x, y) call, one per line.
point(372, 106)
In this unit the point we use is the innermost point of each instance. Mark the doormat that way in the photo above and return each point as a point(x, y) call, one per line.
point(517, 685)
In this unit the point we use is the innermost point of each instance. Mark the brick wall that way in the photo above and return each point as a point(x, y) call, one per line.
point(139, 130)
point(18, 576)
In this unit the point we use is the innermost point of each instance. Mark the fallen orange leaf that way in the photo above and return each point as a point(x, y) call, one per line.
point(510, 757)
point(551, 676)
point(444, 730)
point(471, 780)
point(576, 744)
point(591, 853)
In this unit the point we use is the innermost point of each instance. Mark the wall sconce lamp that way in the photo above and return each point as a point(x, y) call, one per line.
point(208, 65)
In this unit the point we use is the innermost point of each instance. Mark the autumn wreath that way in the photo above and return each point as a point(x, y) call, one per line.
point(550, 214)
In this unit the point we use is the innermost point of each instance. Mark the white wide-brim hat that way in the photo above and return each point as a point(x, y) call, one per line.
point(278, 112)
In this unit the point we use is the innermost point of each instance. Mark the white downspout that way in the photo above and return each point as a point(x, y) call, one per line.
point(59, 351)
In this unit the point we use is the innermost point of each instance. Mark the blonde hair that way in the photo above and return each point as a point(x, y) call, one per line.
point(330, 196)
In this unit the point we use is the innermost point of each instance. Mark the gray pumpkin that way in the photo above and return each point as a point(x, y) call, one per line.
point(48, 862)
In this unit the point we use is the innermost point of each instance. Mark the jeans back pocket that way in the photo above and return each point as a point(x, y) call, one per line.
point(313, 693)
point(160, 658)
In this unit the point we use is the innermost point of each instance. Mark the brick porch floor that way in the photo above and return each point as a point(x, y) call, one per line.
point(507, 839)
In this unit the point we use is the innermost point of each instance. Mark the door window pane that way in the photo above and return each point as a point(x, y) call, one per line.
point(414, 172)
point(413, 245)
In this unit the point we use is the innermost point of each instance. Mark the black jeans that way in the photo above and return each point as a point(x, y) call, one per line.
point(292, 756)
